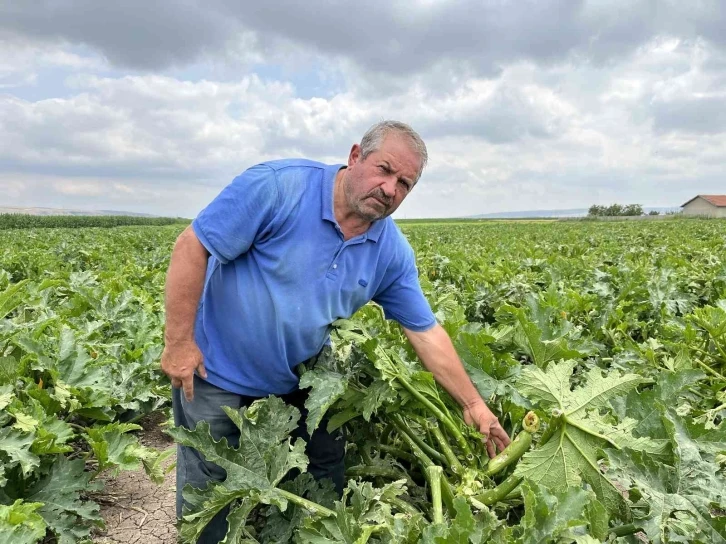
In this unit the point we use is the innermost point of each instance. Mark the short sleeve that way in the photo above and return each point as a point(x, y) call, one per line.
point(239, 215)
point(402, 298)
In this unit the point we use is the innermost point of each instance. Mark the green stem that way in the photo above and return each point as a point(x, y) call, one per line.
point(718, 346)
point(704, 365)
point(370, 471)
point(425, 461)
point(443, 418)
point(710, 370)
point(308, 505)
point(397, 452)
point(496, 494)
point(386, 433)
point(403, 506)
point(401, 426)
point(79, 428)
point(418, 453)
point(434, 475)
point(454, 463)
point(625, 530)
point(368, 530)
point(365, 455)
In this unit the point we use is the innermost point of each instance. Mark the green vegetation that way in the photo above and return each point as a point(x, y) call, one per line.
point(615, 210)
point(22, 221)
point(612, 333)
point(80, 338)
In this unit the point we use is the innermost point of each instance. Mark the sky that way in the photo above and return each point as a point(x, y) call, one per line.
point(154, 106)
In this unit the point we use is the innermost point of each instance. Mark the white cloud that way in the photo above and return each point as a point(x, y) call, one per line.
point(560, 106)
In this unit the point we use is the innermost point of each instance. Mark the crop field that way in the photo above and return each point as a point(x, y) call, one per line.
point(600, 346)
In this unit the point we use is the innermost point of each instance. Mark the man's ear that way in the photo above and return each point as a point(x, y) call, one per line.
point(355, 154)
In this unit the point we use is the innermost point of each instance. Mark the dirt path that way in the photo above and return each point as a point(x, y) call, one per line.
point(136, 510)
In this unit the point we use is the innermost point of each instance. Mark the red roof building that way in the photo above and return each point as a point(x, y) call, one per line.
point(706, 205)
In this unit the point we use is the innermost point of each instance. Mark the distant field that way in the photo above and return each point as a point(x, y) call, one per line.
point(457, 221)
point(27, 221)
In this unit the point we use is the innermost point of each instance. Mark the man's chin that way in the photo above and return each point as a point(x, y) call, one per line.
point(370, 214)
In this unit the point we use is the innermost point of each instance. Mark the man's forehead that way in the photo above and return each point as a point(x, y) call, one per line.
point(397, 151)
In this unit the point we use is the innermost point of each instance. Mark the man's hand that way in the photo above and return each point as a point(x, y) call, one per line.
point(478, 414)
point(438, 355)
point(179, 361)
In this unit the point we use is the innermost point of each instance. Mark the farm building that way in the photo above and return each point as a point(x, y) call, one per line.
point(709, 205)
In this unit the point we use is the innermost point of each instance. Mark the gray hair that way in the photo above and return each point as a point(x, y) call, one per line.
point(374, 136)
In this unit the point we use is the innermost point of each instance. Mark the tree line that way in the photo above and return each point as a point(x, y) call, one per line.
point(615, 210)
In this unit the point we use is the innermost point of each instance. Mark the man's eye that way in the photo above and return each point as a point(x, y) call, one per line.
point(406, 185)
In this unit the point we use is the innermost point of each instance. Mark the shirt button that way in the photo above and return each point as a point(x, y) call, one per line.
point(335, 265)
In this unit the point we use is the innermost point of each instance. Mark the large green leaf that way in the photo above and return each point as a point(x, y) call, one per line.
point(15, 445)
point(572, 453)
point(254, 469)
point(540, 348)
point(61, 492)
point(115, 448)
point(11, 298)
point(20, 523)
point(553, 517)
point(466, 527)
point(363, 512)
point(326, 387)
point(281, 526)
point(685, 501)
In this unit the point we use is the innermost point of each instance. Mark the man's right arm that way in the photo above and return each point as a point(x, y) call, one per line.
point(184, 285)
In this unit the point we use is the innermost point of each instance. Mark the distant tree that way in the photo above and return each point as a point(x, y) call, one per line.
point(596, 211)
point(615, 210)
point(633, 209)
point(653, 212)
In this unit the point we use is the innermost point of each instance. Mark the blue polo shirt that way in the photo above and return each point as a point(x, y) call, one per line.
point(280, 273)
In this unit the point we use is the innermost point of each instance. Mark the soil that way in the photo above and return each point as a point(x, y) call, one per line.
point(135, 509)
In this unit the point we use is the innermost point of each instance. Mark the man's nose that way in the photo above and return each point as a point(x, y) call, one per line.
point(389, 186)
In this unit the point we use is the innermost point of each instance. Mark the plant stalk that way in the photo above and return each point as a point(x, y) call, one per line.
point(425, 461)
point(453, 461)
point(304, 503)
point(434, 474)
point(443, 418)
point(397, 452)
point(402, 427)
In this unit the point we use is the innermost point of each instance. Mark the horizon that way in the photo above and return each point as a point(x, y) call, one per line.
point(395, 216)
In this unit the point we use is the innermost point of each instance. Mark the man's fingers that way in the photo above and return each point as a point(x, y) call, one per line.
point(500, 445)
point(188, 386)
point(490, 449)
point(202, 371)
point(499, 433)
point(176, 383)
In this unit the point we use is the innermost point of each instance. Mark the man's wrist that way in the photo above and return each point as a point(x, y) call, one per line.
point(472, 403)
point(173, 340)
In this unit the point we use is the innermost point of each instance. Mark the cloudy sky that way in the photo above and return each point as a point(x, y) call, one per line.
point(153, 106)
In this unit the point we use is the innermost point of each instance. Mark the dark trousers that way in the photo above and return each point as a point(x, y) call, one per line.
point(324, 450)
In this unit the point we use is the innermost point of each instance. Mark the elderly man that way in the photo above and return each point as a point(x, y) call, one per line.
point(257, 279)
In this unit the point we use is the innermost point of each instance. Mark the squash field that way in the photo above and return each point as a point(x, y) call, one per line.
point(600, 345)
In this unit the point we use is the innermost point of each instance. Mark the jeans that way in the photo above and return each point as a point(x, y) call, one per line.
point(325, 450)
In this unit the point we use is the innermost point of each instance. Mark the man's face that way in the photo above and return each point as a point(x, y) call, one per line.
point(376, 186)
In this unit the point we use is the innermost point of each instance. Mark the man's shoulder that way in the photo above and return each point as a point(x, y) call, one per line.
point(395, 242)
point(282, 164)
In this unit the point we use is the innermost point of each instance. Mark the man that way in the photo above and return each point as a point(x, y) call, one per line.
point(257, 279)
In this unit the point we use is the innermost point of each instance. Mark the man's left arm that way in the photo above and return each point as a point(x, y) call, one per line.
point(438, 355)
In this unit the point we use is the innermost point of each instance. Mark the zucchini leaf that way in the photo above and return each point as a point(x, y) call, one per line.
point(572, 453)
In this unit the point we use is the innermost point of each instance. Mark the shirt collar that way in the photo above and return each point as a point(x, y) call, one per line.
point(373, 232)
